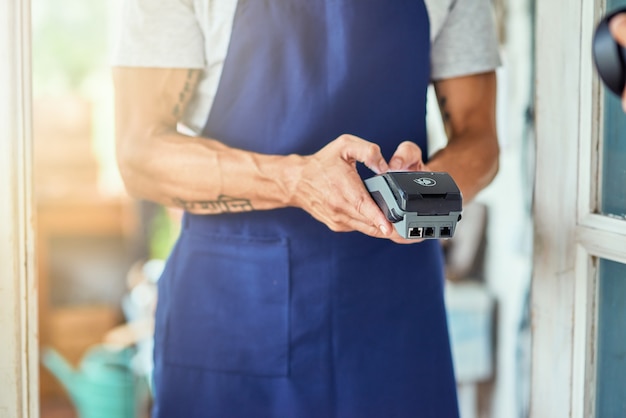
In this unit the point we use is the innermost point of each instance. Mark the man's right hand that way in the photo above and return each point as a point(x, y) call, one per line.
point(330, 189)
point(617, 26)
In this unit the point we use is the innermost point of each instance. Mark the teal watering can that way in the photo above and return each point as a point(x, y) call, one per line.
point(103, 386)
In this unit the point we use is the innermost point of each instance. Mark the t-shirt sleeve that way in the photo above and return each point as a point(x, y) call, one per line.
point(467, 42)
point(163, 34)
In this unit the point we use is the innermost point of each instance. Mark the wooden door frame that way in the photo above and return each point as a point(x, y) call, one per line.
point(18, 289)
point(559, 44)
point(570, 234)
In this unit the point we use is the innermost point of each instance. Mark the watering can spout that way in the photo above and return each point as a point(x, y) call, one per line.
point(61, 369)
point(103, 386)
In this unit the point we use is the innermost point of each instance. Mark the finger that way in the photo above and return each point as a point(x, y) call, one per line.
point(368, 153)
point(368, 229)
point(408, 156)
point(370, 220)
point(368, 212)
point(405, 241)
point(617, 26)
point(346, 223)
point(397, 238)
point(374, 231)
point(355, 208)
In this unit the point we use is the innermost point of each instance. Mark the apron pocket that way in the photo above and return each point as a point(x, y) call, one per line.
point(229, 308)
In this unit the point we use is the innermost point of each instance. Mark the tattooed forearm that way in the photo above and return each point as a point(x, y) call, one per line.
point(186, 93)
point(224, 204)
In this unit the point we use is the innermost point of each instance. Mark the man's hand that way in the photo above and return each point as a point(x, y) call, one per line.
point(617, 26)
point(408, 157)
point(330, 189)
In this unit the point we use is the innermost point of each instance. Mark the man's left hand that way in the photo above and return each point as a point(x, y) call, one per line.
point(408, 157)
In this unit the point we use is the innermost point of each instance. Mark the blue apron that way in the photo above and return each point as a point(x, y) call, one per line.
point(269, 313)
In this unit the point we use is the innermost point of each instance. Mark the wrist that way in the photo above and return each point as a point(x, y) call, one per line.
point(289, 177)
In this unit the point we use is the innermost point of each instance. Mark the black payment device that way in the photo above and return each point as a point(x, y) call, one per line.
point(609, 57)
point(420, 205)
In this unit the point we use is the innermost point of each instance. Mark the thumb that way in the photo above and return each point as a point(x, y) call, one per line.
point(368, 153)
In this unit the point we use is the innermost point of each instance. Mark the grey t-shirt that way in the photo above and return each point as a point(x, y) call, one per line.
point(195, 34)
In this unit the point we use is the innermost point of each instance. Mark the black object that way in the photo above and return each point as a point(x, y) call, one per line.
point(609, 57)
point(420, 204)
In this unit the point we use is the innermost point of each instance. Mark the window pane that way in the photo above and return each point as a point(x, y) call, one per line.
point(611, 378)
point(614, 160)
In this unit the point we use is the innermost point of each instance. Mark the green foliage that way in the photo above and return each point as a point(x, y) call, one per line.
point(163, 234)
point(69, 42)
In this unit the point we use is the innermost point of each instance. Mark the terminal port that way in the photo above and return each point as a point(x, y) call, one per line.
point(416, 232)
point(445, 232)
point(429, 232)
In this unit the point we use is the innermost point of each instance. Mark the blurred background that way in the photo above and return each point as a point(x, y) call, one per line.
point(100, 252)
point(92, 240)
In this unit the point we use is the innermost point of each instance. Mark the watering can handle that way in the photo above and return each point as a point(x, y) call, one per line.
point(59, 367)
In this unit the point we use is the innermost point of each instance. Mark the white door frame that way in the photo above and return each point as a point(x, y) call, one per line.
point(18, 293)
point(557, 134)
point(570, 235)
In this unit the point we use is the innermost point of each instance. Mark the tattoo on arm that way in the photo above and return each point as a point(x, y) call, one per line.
point(223, 204)
point(445, 114)
point(444, 111)
point(187, 92)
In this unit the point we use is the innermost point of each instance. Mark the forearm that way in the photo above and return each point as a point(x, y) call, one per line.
point(471, 159)
point(199, 174)
point(158, 163)
point(205, 176)
point(468, 109)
